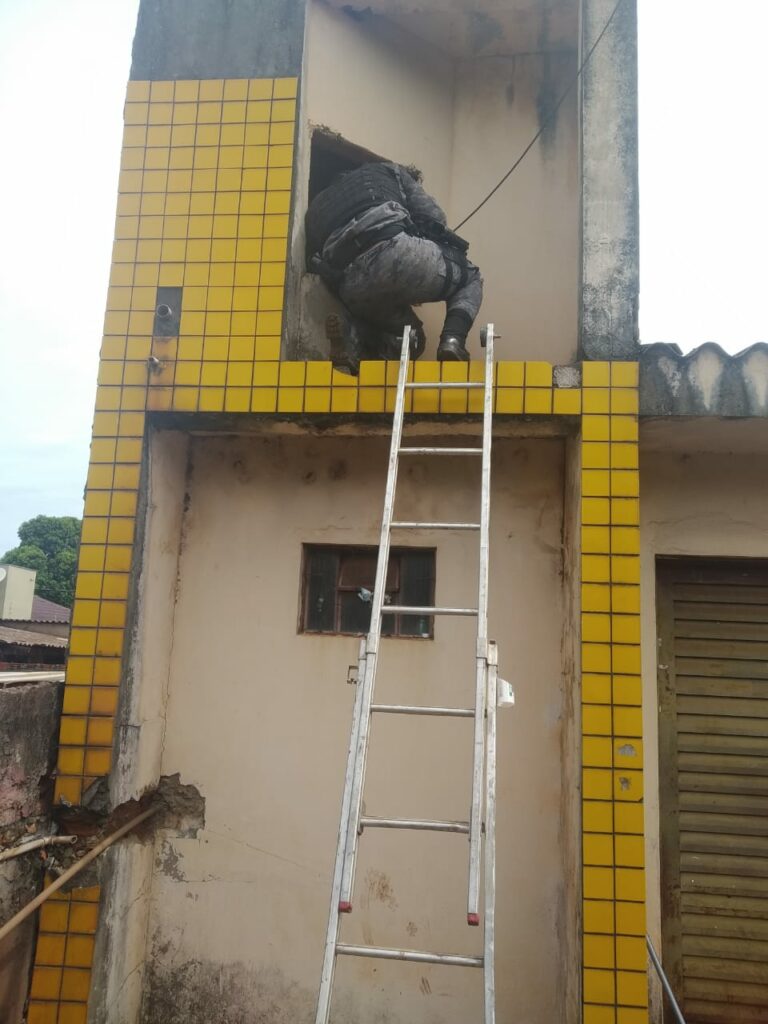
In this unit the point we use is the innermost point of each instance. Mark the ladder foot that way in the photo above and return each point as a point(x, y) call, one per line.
point(473, 920)
point(345, 907)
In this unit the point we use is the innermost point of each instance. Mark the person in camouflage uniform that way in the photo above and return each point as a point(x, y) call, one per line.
point(381, 245)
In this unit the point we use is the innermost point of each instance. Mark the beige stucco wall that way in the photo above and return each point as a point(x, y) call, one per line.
point(463, 120)
point(696, 504)
point(257, 717)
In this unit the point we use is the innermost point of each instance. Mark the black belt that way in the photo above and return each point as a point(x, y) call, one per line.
point(345, 254)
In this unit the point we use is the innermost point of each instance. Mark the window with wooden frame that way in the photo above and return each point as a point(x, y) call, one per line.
point(337, 590)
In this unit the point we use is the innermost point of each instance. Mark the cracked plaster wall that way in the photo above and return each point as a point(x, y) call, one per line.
point(697, 504)
point(257, 718)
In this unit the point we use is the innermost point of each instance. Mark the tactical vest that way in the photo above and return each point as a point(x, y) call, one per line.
point(357, 191)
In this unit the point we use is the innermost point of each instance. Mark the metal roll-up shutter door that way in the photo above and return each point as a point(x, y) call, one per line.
point(713, 732)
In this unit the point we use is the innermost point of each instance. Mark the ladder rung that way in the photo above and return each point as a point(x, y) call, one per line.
point(416, 824)
point(440, 451)
point(402, 609)
point(415, 956)
point(435, 526)
point(418, 709)
point(443, 385)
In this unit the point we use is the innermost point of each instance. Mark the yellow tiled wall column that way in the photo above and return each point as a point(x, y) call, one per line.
point(205, 195)
point(614, 979)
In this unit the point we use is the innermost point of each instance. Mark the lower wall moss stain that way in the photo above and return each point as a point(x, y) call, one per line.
point(201, 992)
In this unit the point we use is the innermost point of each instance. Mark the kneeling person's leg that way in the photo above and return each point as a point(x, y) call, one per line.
point(462, 306)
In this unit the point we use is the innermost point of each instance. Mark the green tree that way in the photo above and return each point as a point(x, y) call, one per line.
point(49, 545)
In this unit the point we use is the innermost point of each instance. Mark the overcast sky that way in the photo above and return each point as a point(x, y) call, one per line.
point(63, 68)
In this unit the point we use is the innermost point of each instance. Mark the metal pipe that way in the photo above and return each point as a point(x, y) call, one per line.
point(664, 981)
point(36, 844)
point(76, 868)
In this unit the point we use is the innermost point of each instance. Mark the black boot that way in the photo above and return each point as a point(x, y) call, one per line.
point(452, 349)
point(346, 346)
point(453, 337)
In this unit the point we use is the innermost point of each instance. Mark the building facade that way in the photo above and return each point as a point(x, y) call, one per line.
point(235, 476)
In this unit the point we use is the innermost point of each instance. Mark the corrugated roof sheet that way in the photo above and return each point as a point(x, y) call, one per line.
point(707, 381)
point(24, 638)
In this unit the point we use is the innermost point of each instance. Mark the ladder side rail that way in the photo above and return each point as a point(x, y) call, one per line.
point(475, 818)
point(374, 635)
point(489, 918)
point(332, 934)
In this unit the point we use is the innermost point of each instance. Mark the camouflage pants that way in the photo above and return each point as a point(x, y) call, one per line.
point(382, 285)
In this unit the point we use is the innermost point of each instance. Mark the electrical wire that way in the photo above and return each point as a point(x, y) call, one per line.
point(546, 121)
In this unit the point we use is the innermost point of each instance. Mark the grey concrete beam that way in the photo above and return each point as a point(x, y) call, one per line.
point(198, 39)
point(610, 230)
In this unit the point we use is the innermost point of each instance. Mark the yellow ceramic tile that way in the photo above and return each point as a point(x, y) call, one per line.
point(98, 762)
point(632, 988)
point(628, 752)
point(508, 400)
point(598, 917)
point(85, 613)
point(596, 720)
point(71, 760)
point(626, 659)
point(595, 482)
point(624, 456)
point(595, 568)
point(344, 400)
point(598, 883)
point(595, 400)
point(103, 700)
point(595, 597)
point(318, 399)
point(290, 399)
point(631, 1015)
point(599, 986)
point(597, 815)
point(628, 785)
point(79, 951)
point(597, 784)
point(537, 401)
point(596, 628)
point(624, 483)
point(319, 373)
point(596, 375)
point(70, 789)
point(595, 539)
point(566, 401)
point(50, 949)
point(42, 1013)
point(106, 671)
point(595, 688)
point(625, 375)
point(629, 818)
point(630, 851)
point(624, 428)
point(599, 951)
point(46, 982)
point(595, 511)
point(625, 511)
point(371, 400)
point(598, 851)
point(595, 455)
point(278, 134)
point(595, 428)
point(79, 670)
point(628, 721)
point(260, 88)
point(626, 629)
point(625, 569)
point(599, 1014)
point(624, 400)
point(263, 399)
point(75, 986)
point(285, 88)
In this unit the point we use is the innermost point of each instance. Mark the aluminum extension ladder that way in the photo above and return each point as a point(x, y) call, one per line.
point(480, 827)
